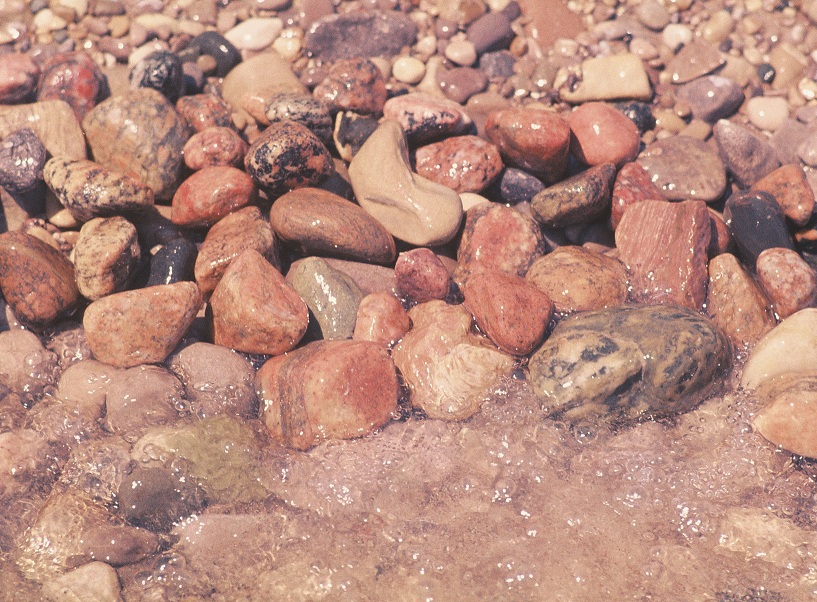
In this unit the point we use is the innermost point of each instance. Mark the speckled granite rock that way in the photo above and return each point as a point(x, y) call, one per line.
point(210, 194)
point(304, 109)
point(424, 117)
point(463, 163)
point(214, 146)
point(788, 281)
point(576, 200)
point(421, 276)
point(353, 85)
point(22, 157)
point(628, 363)
point(204, 111)
point(106, 255)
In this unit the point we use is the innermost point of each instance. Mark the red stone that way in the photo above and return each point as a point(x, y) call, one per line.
point(788, 281)
point(210, 194)
point(601, 134)
point(421, 276)
point(353, 85)
point(203, 111)
point(463, 163)
point(75, 78)
point(632, 185)
point(214, 146)
point(790, 188)
point(382, 319)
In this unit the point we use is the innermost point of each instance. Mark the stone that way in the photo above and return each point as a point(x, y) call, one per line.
point(747, 157)
point(512, 312)
point(696, 59)
point(157, 498)
point(786, 140)
point(204, 111)
point(789, 419)
point(106, 256)
point(629, 80)
point(461, 12)
point(36, 280)
point(53, 121)
point(491, 31)
point(351, 133)
point(287, 155)
point(577, 200)
point(788, 281)
point(353, 85)
point(602, 134)
point(141, 326)
point(214, 146)
point(240, 230)
point(360, 34)
point(304, 109)
point(381, 319)
point(534, 140)
point(628, 363)
point(462, 163)
point(425, 118)
point(550, 20)
point(84, 386)
point(410, 207)
point(408, 70)
point(173, 262)
point(211, 194)
point(497, 65)
point(22, 157)
point(461, 83)
point(92, 581)
point(640, 113)
point(516, 186)
point(449, 370)
point(633, 185)
point(806, 149)
point(161, 71)
point(368, 277)
point(214, 44)
point(142, 397)
point(75, 78)
point(328, 390)
point(664, 246)
point(250, 84)
point(756, 223)
point(27, 368)
point(141, 133)
point(712, 97)
point(318, 222)
point(18, 77)
point(255, 33)
point(767, 112)
point(332, 296)
point(685, 168)
point(461, 52)
point(790, 188)
point(421, 276)
point(576, 279)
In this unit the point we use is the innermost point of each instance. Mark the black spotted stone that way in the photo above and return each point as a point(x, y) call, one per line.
point(756, 223)
point(22, 156)
point(515, 186)
point(302, 108)
point(160, 70)
point(174, 262)
point(217, 46)
point(639, 113)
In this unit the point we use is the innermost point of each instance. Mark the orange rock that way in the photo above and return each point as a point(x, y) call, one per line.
point(790, 188)
point(381, 318)
point(211, 194)
point(601, 134)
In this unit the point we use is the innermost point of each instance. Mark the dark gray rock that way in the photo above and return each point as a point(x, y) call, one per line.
point(515, 186)
point(360, 34)
point(491, 31)
point(216, 45)
point(160, 70)
point(756, 222)
point(577, 200)
point(174, 262)
point(22, 156)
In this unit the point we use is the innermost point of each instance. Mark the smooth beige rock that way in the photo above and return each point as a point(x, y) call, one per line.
point(92, 582)
point(410, 207)
point(790, 420)
point(259, 77)
point(608, 78)
point(54, 123)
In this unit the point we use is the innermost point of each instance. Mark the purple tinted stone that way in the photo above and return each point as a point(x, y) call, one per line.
point(757, 223)
point(712, 97)
point(461, 83)
point(361, 34)
point(22, 156)
point(491, 31)
point(160, 70)
point(497, 65)
point(515, 186)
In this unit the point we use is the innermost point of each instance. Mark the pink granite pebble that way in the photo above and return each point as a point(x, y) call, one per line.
point(601, 134)
point(421, 276)
point(382, 319)
point(210, 194)
point(424, 117)
point(18, 77)
point(204, 111)
point(463, 163)
point(75, 78)
point(790, 188)
point(214, 146)
point(788, 281)
point(353, 85)
point(632, 185)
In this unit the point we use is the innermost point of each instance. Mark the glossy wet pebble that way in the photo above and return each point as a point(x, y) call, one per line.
point(306, 110)
point(27, 368)
point(353, 85)
point(788, 281)
point(141, 397)
point(602, 134)
point(381, 318)
point(22, 157)
point(756, 223)
point(424, 117)
point(18, 77)
point(214, 146)
point(173, 262)
point(790, 188)
point(747, 156)
point(576, 200)
point(210, 194)
point(75, 78)
point(633, 185)
point(685, 168)
point(712, 97)
point(161, 71)
point(462, 163)
point(421, 276)
point(203, 111)
point(106, 256)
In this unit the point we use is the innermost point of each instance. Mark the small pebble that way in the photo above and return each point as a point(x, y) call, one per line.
point(408, 70)
point(462, 163)
point(360, 34)
point(22, 157)
point(747, 156)
point(767, 112)
point(684, 168)
point(18, 77)
point(790, 188)
point(424, 117)
point(161, 71)
point(75, 78)
point(576, 200)
point(461, 52)
point(421, 276)
point(756, 223)
point(353, 85)
point(173, 262)
point(210, 194)
point(601, 134)
point(304, 109)
point(106, 256)
point(381, 319)
point(461, 83)
point(788, 281)
point(256, 33)
point(203, 111)
point(214, 146)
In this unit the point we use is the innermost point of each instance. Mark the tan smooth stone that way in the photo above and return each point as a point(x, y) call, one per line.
point(381, 318)
point(790, 420)
point(53, 121)
point(266, 73)
point(610, 77)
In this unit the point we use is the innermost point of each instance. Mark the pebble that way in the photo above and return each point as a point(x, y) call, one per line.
point(106, 256)
point(756, 223)
point(577, 279)
point(369, 278)
point(695, 59)
point(577, 200)
point(302, 108)
point(141, 397)
point(653, 14)
point(534, 140)
point(22, 157)
point(256, 33)
point(712, 97)
point(360, 34)
point(173, 262)
point(91, 581)
point(214, 146)
point(425, 118)
point(461, 52)
point(327, 390)
point(601, 134)
point(807, 149)
point(684, 168)
point(461, 83)
point(747, 156)
point(512, 312)
point(36, 280)
point(252, 82)
point(210, 194)
point(664, 246)
point(381, 319)
point(491, 31)
point(351, 132)
point(767, 112)
point(287, 155)
point(140, 326)
point(332, 296)
point(53, 121)
point(408, 70)
point(628, 363)
point(461, 12)
point(448, 369)
point(353, 85)
point(497, 65)
point(790, 188)
point(462, 163)
point(160, 71)
point(318, 222)
point(28, 369)
point(516, 186)
point(789, 419)
point(75, 78)
point(234, 233)
point(633, 185)
point(618, 76)
point(88, 189)
point(421, 276)
point(788, 281)
point(204, 111)
point(735, 302)
point(139, 132)
point(217, 46)
point(410, 207)
point(19, 75)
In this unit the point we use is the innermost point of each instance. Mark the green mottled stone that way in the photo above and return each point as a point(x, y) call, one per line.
point(630, 362)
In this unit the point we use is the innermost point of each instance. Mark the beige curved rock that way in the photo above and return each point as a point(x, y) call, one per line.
point(619, 76)
point(250, 83)
point(790, 420)
point(54, 123)
point(92, 582)
point(410, 207)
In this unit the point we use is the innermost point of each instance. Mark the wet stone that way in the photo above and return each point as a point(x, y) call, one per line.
point(161, 71)
point(353, 85)
point(251, 83)
point(633, 185)
point(75, 78)
point(516, 186)
point(497, 65)
point(640, 113)
point(491, 31)
point(756, 222)
point(27, 369)
point(461, 83)
point(22, 157)
point(684, 168)
point(157, 498)
point(141, 397)
point(255, 33)
point(360, 34)
point(628, 363)
point(424, 117)
point(173, 262)
point(217, 46)
point(602, 134)
point(421, 276)
point(694, 60)
point(577, 200)
point(203, 111)
point(304, 109)
point(462, 163)
point(790, 188)
point(106, 256)
point(91, 581)
point(789, 419)
point(788, 281)
point(214, 146)
point(351, 133)
point(210, 194)
point(747, 157)
point(53, 121)
point(18, 77)
point(381, 319)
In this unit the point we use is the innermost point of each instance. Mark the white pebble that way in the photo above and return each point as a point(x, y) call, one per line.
point(256, 33)
point(139, 53)
point(287, 47)
point(767, 112)
point(47, 21)
point(461, 52)
point(676, 35)
point(470, 199)
point(426, 47)
point(408, 70)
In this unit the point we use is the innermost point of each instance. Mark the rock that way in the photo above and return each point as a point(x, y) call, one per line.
point(788, 281)
point(497, 65)
point(36, 280)
point(535, 140)
point(577, 200)
point(628, 363)
point(550, 20)
point(712, 97)
point(304, 109)
point(756, 223)
point(353, 85)
point(94, 581)
point(328, 390)
point(462, 163)
point(787, 139)
point(253, 82)
point(214, 146)
point(140, 398)
point(696, 59)
point(332, 296)
point(211, 194)
point(106, 256)
point(448, 369)
point(174, 262)
point(424, 117)
point(84, 386)
point(204, 111)
point(491, 31)
point(22, 157)
point(18, 77)
point(684, 168)
point(255, 310)
point(747, 157)
point(75, 78)
point(629, 80)
point(157, 498)
point(735, 302)
point(516, 186)
point(632, 185)
point(217, 46)
point(664, 246)
point(411, 208)
point(161, 71)
point(255, 33)
point(351, 132)
point(287, 155)
point(421, 276)
point(510, 311)
point(240, 230)
point(54, 123)
point(640, 113)
point(790, 419)
point(368, 277)
point(721, 239)
point(790, 188)
point(461, 51)
point(142, 326)
point(576, 279)
point(139, 132)
point(88, 189)
point(461, 83)
point(602, 134)
point(360, 34)
point(381, 319)
point(767, 112)
point(27, 369)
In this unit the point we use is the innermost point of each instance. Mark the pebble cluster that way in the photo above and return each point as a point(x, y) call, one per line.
point(321, 217)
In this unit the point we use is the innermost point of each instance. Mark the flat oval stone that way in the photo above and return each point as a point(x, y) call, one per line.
point(214, 44)
point(628, 363)
point(257, 79)
point(173, 262)
point(332, 296)
point(577, 200)
point(88, 189)
point(535, 140)
point(161, 71)
point(255, 33)
point(695, 59)
point(789, 420)
point(747, 157)
point(22, 157)
point(790, 188)
point(757, 223)
point(328, 390)
point(462, 163)
point(461, 83)
point(516, 186)
point(304, 109)
point(210, 194)
point(602, 134)
point(37, 281)
point(788, 281)
point(204, 111)
point(712, 97)
point(139, 132)
point(214, 146)
point(424, 117)
point(618, 76)
point(288, 155)
point(75, 78)
point(632, 185)
point(360, 34)
point(685, 168)
point(106, 256)
point(491, 31)
point(141, 397)
point(381, 318)
point(142, 326)
point(53, 121)
point(18, 77)
point(353, 85)
point(318, 222)
point(421, 276)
